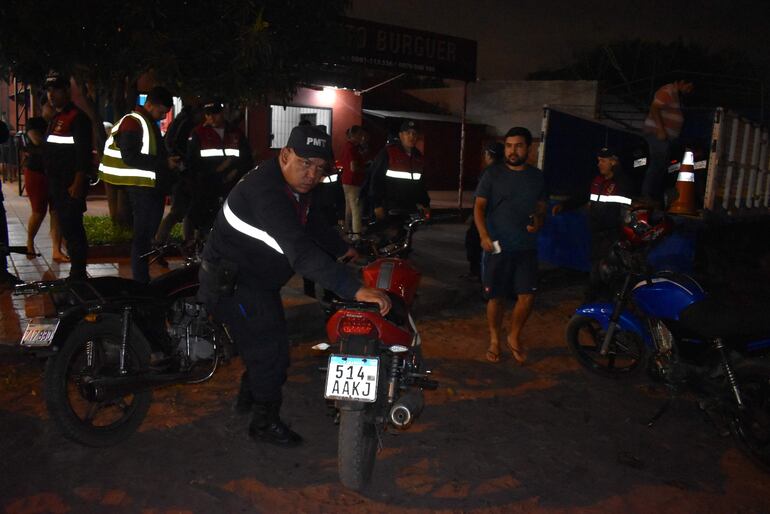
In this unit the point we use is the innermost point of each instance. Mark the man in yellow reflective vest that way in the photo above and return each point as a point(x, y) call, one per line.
point(135, 157)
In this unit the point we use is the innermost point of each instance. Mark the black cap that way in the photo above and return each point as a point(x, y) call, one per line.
point(408, 125)
point(607, 152)
point(213, 107)
point(308, 141)
point(56, 81)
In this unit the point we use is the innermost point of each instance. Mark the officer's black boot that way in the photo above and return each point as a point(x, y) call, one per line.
point(267, 426)
point(244, 402)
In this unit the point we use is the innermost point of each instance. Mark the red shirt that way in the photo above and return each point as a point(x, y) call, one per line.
point(350, 154)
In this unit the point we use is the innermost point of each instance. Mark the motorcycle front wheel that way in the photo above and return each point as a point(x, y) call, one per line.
point(751, 424)
point(92, 351)
point(626, 356)
point(357, 448)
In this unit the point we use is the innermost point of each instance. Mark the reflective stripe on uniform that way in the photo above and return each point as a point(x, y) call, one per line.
point(330, 179)
point(404, 175)
point(126, 172)
point(249, 230)
point(114, 171)
point(611, 199)
point(232, 152)
point(212, 152)
point(60, 140)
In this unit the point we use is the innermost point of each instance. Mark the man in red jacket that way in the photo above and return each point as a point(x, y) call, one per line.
point(67, 159)
point(353, 176)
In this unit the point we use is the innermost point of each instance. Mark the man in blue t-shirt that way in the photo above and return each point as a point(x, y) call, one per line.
point(508, 211)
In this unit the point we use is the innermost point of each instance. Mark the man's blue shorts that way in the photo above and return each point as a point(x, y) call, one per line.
point(507, 275)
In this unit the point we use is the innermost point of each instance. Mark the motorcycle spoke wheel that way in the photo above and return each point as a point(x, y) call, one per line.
point(751, 424)
point(625, 356)
point(101, 414)
point(92, 351)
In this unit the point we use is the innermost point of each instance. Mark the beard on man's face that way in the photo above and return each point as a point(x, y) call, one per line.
point(514, 160)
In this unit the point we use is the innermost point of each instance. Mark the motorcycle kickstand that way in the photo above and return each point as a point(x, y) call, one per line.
point(661, 411)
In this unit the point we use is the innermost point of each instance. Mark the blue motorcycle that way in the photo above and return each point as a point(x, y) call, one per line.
point(666, 324)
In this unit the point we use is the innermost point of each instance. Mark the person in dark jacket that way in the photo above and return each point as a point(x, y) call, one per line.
point(182, 193)
point(397, 176)
point(608, 200)
point(6, 278)
point(67, 154)
point(269, 228)
point(218, 154)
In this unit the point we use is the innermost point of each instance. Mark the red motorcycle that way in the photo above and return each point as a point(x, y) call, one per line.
point(375, 375)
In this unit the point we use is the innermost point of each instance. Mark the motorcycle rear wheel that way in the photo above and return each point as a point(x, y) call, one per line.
point(751, 425)
point(357, 449)
point(626, 357)
point(93, 350)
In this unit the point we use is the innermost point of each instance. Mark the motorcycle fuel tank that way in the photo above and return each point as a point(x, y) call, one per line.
point(666, 295)
point(395, 275)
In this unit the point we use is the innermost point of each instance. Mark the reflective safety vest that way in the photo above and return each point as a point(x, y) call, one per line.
point(402, 166)
point(61, 128)
point(605, 191)
point(331, 178)
point(214, 147)
point(114, 171)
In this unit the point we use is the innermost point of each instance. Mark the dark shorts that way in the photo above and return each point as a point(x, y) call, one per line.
point(507, 275)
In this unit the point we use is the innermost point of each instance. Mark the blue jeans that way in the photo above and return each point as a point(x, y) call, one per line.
point(147, 208)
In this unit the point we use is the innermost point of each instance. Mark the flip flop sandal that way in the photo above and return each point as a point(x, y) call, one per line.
point(492, 356)
point(519, 355)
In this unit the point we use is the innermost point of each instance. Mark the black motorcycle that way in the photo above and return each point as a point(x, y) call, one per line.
point(110, 341)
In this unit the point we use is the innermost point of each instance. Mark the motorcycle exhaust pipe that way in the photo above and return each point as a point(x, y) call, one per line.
point(112, 388)
point(406, 409)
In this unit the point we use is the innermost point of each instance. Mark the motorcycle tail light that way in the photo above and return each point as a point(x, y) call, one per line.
point(39, 306)
point(357, 327)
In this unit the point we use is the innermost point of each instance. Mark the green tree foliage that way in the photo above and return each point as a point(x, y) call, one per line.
point(236, 49)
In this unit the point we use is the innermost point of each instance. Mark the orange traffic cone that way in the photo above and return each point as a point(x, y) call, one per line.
point(685, 187)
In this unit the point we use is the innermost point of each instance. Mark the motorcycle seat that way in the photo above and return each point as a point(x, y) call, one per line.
point(712, 318)
point(117, 287)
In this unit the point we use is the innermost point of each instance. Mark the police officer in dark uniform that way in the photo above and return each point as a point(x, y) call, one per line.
point(397, 180)
point(609, 198)
point(67, 154)
point(268, 229)
point(218, 154)
point(6, 278)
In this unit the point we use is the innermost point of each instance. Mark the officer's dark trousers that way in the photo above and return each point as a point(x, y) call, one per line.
point(256, 321)
point(3, 235)
point(70, 211)
point(147, 208)
point(601, 243)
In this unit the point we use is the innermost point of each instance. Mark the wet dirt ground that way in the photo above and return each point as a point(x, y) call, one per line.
point(540, 438)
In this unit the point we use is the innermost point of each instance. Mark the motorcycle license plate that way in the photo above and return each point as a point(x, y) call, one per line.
point(352, 378)
point(40, 332)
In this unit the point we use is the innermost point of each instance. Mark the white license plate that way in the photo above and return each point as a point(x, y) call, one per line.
point(352, 378)
point(40, 332)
